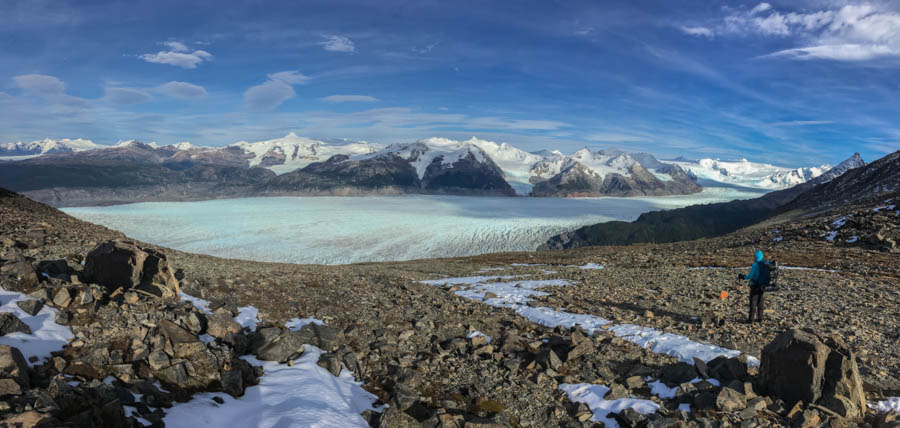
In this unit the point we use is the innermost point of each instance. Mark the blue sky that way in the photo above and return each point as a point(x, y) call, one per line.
point(791, 83)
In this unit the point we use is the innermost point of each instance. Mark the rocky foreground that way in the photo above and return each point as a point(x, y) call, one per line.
point(828, 345)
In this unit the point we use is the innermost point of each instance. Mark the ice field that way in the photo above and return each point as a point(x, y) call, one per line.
point(336, 230)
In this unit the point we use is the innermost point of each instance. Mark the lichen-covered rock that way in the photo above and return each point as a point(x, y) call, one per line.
point(802, 366)
point(118, 263)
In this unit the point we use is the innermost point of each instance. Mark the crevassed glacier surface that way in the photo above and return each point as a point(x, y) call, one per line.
point(336, 230)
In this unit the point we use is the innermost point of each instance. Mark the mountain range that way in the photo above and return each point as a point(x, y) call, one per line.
point(850, 181)
point(66, 172)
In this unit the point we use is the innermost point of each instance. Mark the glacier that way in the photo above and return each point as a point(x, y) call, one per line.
point(340, 230)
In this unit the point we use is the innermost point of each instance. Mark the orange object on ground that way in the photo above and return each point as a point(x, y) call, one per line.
point(724, 295)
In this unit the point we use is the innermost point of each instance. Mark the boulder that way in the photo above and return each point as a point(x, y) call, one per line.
point(22, 276)
point(57, 267)
point(320, 336)
point(9, 323)
point(62, 298)
point(285, 347)
point(678, 373)
point(13, 365)
point(30, 306)
point(115, 264)
point(220, 326)
point(802, 366)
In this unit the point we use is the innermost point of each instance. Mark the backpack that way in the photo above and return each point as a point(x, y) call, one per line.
point(764, 277)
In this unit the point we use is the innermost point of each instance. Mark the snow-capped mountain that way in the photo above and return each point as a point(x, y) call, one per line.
point(47, 146)
point(750, 174)
point(610, 173)
point(434, 165)
point(129, 143)
point(292, 152)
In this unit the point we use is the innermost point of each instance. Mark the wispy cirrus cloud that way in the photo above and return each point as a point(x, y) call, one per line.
point(122, 95)
point(273, 92)
point(850, 32)
point(182, 90)
point(803, 123)
point(338, 44)
point(178, 55)
point(697, 31)
point(349, 98)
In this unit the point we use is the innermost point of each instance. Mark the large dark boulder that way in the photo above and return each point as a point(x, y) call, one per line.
point(17, 274)
point(802, 366)
point(13, 366)
point(10, 323)
point(115, 264)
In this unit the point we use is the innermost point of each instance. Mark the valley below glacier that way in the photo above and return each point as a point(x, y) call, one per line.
point(340, 230)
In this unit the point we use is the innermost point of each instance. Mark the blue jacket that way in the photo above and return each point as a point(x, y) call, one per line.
point(754, 270)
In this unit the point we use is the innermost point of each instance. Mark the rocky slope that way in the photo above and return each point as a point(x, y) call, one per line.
point(698, 221)
point(413, 344)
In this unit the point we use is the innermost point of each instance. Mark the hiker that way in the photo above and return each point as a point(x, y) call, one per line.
point(759, 280)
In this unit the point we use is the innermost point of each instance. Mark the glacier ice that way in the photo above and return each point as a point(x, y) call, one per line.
point(336, 230)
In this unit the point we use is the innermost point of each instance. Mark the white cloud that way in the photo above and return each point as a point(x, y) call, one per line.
point(338, 44)
point(182, 90)
point(40, 84)
point(49, 88)
point(290, 77)
point(849, 33)
point(176, 46)
point(698, 31)
point(514, 124)
point(275, 91)
point(179, 55)
point(762, 7)
point(803, 123)
point(120, 95)
point(349, 98)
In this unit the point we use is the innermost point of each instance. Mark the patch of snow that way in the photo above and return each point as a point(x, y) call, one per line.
point(592, 396)
point(132, 411)
point(806, 268)
point(892, 404)
point(884, 207)
point(830, 235)
point(853, 239)
point(247, 317)
point(777, 239)
point(517, 294)
point(660, 390)
point(297, 323)
point(527, 264)
point(46, 335)
point(684, 407)
point(548, 272)
point(590, 266)
point(476, 333)
point(205, 338)
point(202, 305)
point(491, 269)
point(674, 345)
point(302, 395)
point(840, 222)
point(707, 267)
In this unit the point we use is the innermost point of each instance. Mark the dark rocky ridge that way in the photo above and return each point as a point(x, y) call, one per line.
point(851, 181)
point(389, 174)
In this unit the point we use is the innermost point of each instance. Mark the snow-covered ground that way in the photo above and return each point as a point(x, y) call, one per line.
point(298, 395)
point(511, 292)
point(46, 335)
point(338, 230)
